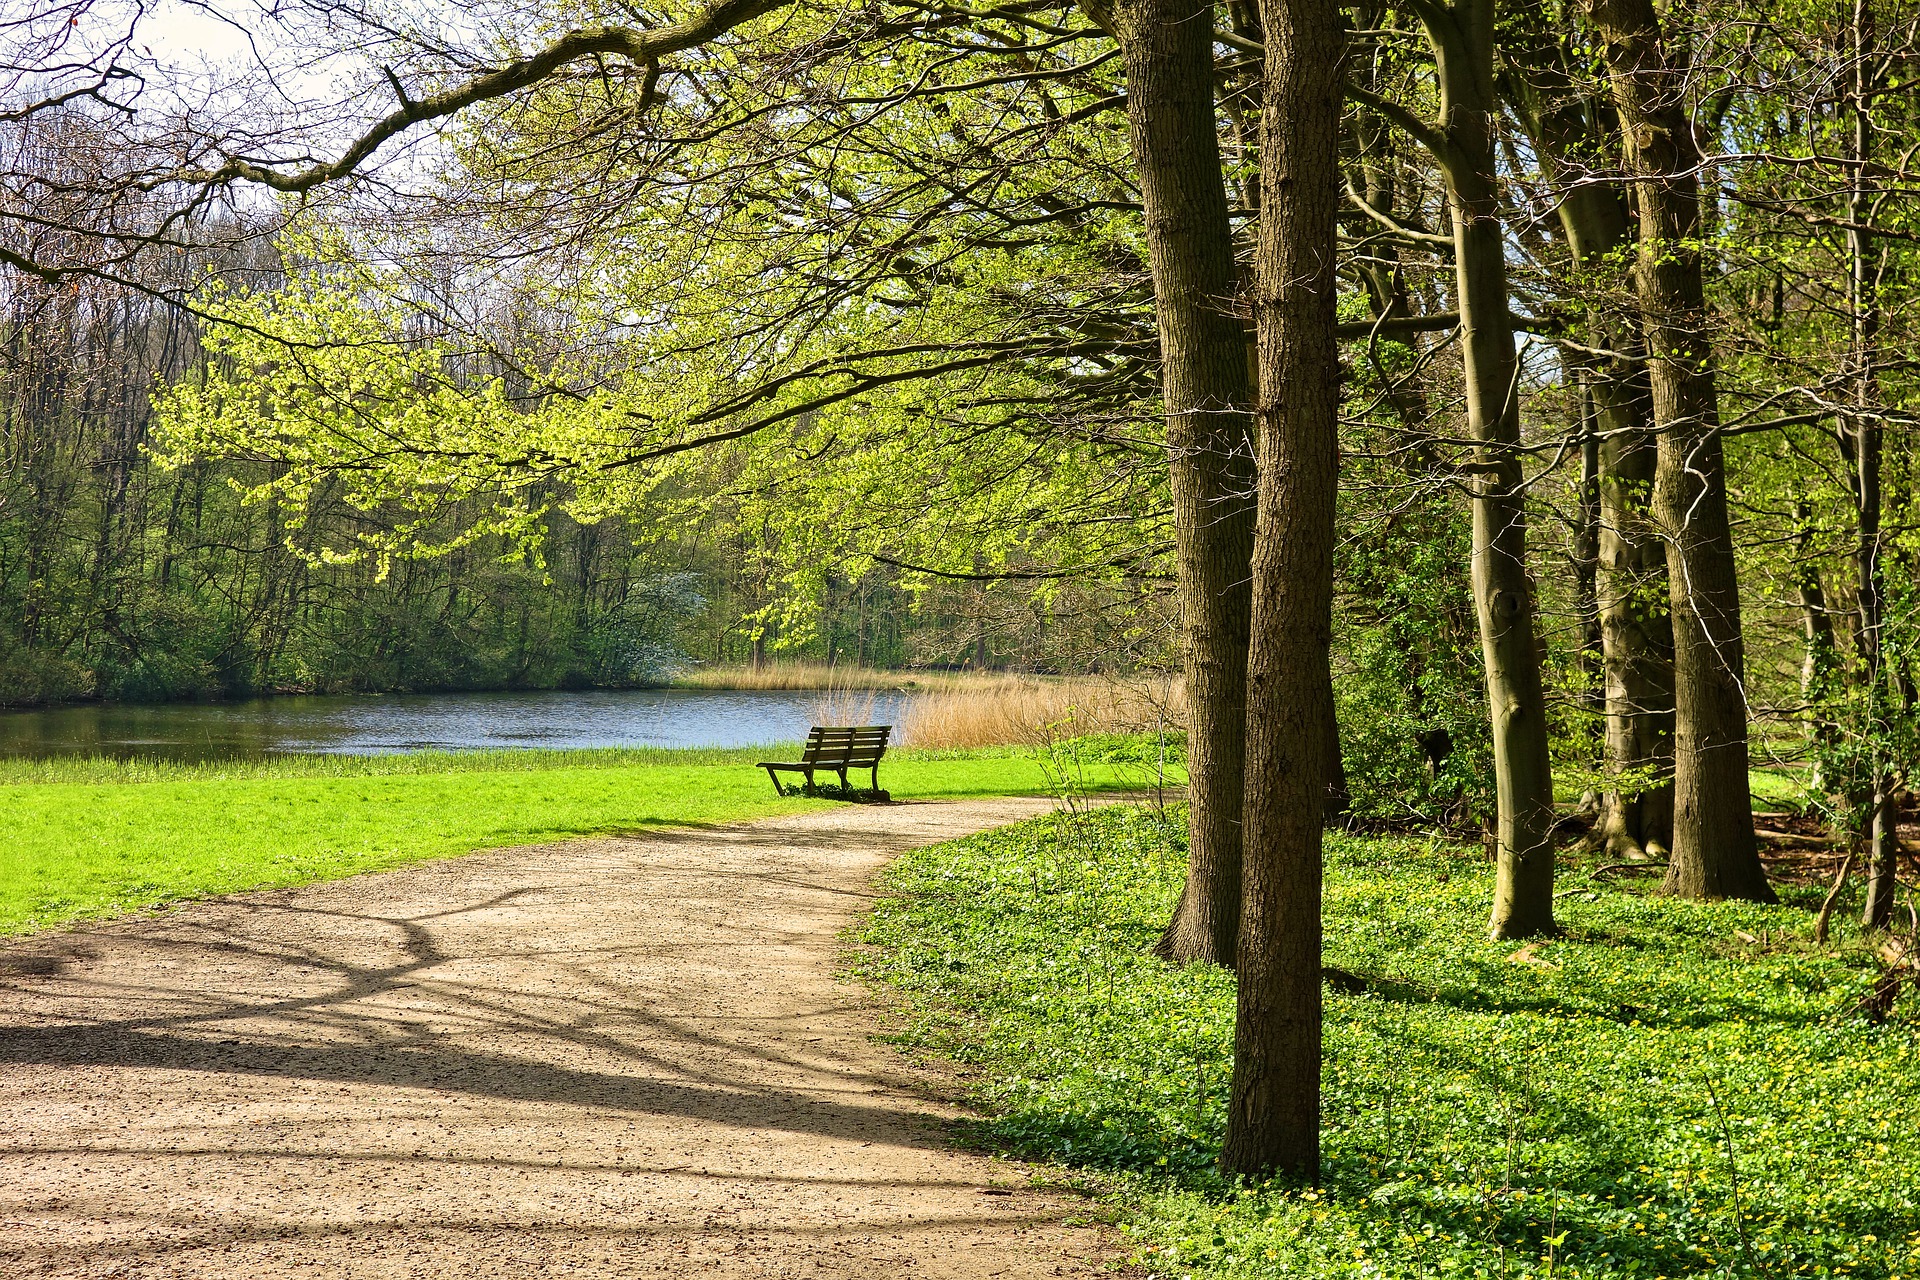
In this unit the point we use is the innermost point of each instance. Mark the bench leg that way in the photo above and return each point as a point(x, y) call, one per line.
point(775, 779)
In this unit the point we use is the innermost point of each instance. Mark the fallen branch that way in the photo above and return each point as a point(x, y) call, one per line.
point(1796, 839)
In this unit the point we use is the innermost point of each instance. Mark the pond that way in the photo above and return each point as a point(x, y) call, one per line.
point(431, 722)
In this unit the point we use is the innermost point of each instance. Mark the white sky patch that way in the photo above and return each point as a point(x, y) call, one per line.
point(198, 37)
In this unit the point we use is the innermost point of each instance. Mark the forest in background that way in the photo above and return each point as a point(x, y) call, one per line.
point(123, 579)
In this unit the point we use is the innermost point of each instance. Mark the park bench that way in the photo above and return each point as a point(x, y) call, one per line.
point(836, 751)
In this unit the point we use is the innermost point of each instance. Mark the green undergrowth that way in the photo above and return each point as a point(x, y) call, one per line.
point(81, 839)
point(1592, 1106)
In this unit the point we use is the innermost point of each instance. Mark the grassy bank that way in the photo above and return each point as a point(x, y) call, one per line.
point(91, 838)
point(1594, 1106)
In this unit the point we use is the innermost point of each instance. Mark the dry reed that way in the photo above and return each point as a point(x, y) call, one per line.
point(1032, 710)
point(793, 675)
point(966, 708)
point(846, 706)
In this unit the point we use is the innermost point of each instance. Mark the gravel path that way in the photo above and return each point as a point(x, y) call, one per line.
point(623, 1057)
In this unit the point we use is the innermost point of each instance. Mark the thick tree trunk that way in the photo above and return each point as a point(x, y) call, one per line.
point(1273, 1120)
point(1878, 828)
point(1462, 38)
point(1713, 845)
point(1168, 50)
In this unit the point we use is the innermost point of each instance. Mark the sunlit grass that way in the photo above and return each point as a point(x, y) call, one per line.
point(88, 838)
point(1594, 1107)
point(152, 769)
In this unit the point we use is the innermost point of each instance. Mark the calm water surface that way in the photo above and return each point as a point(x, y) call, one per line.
point(428, 722)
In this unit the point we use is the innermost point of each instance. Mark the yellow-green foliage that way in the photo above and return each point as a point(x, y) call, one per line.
point(323, 379)
point(867, 360)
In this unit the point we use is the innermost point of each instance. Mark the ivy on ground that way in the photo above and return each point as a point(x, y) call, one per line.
point(1667, 1089)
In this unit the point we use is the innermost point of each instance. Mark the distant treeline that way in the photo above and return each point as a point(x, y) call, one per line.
point(121, 579)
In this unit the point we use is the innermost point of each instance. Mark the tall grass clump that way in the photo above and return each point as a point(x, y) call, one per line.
point(842, 705)
point(1036, 710)
point(785, 674)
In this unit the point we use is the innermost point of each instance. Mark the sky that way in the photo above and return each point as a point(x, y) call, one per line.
point(191, 33)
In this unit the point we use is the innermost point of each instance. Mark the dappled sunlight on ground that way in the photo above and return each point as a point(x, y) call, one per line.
point(615, 1057)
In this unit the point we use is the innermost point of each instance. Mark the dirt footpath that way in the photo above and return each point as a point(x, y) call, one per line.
point(622, 1057)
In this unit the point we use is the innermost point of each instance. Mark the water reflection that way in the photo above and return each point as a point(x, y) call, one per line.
point(422, 722)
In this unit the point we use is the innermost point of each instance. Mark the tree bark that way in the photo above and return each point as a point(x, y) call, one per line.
point(1586, 555)
point(1816, 627)
point(1167, 46)
point(1883, 845)
point(1462, 140)
point(1273, 1119)
point(1636, 628)
point(1713, 845)
point(1630, 582)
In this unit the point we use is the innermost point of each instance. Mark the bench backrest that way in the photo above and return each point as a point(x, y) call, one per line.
point(859, 746)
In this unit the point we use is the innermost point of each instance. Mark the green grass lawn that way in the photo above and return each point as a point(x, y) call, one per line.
point(1591, 1106)
point(91, 838)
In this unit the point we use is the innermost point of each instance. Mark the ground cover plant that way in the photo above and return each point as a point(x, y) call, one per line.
point(1669, 1088)
point(87, 838)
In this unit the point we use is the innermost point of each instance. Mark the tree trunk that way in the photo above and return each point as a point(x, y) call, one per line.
point(1630, 580)
point(1462, 39)
point(1883, 845)
point(1631, 574)
point(1636, 629)
point(1273, 1119)
point(1168, 50)
point(1586, 558)
point(1816, 619)
point(1713, 845)
point(1339, 797)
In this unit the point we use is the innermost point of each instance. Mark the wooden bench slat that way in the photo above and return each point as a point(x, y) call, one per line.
point(836, 749)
